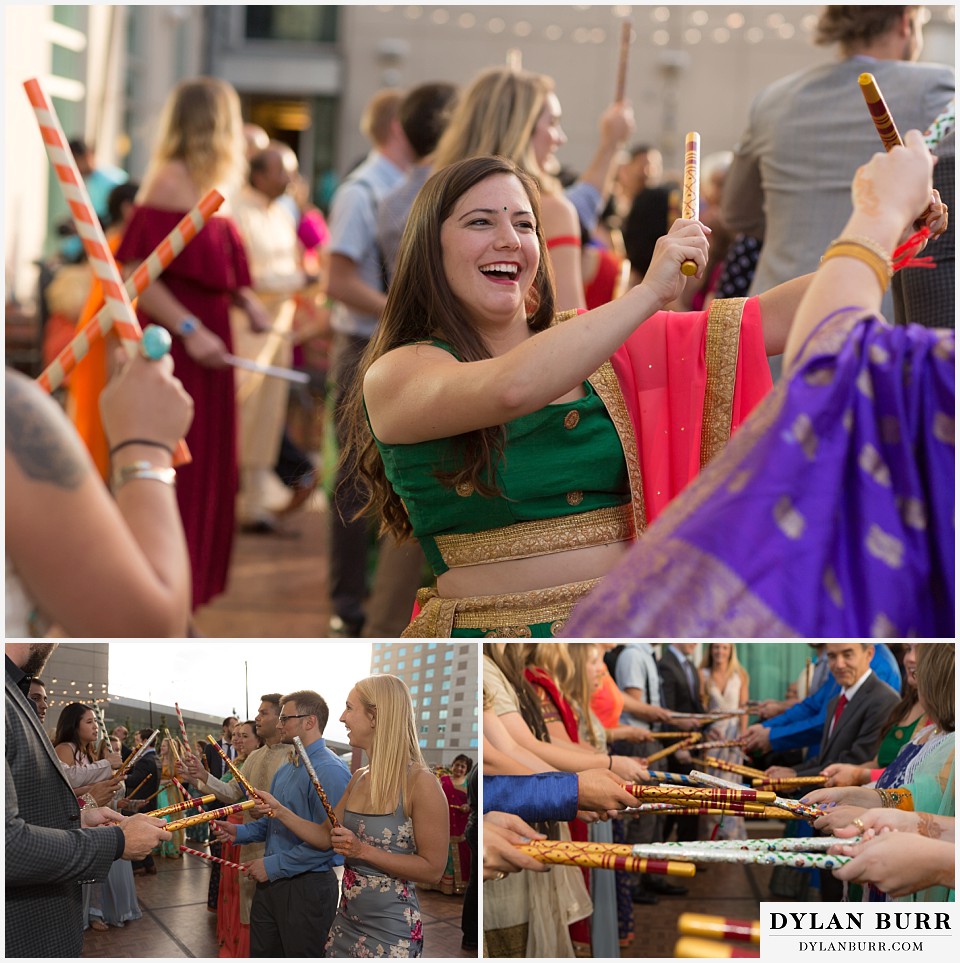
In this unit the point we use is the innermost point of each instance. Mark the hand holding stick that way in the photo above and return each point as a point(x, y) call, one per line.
point(134, 756)
point(250, 791)
point(328, 809)
point(690, 206)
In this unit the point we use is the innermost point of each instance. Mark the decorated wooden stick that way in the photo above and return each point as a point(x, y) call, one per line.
point(879, 112)
point(692, 948)
point(179, 807)
point(134, 756)
point(725, 766)
point(600, 856)
point(690, 206)
point(327, 808)
point(149, 270)
point(790, 783)
point(707, 809)
point(211, 815)
point(720, 744)
point(154, 794)
point(136, 788)
point(675, 777)
point(786, 844)
point(183, 726)
point(239, 776)
point(710, 794)
point(663, 753)
point(660, 736)
point(88, 228)
point(626, 32)
point(790, 805)
point(213, 859)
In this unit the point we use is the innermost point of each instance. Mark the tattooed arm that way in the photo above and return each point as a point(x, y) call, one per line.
point(98, 567)
point(888, 194)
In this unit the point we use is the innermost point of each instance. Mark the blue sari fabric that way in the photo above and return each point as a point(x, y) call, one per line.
point(829, 514)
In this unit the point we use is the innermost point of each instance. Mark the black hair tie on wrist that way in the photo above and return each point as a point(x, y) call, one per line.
point(141, 441)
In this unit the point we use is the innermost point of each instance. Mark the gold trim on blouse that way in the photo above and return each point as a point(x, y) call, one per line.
point(723, 346)
point(542, 536)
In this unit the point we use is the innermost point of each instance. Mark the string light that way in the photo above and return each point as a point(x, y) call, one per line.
point(735, 20)
point(699, 18)
point(692, 36)
point(720, 35)
point(660, 14)
point(661, 37)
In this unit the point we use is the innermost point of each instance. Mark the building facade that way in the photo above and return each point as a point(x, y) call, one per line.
point(443, 681)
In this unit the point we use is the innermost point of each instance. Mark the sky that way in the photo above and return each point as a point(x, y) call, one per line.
point(208, 676)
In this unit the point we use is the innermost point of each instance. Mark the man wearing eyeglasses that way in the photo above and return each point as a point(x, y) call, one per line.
point(296, 896)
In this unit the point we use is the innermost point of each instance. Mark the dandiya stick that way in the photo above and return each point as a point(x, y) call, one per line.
point(690, 205)
point(149, 270)
point(181, 806)
point(670, 735)
point(790, 805)
point(663, 753)
point(154, 794)
point(698, 809)
point(239, 776)
point(720, 744)
point(183, 725)
point(138, 787)
point(213, 859)
point(879, 112)
point(173, 746)
point(597, 856)
point(134, 756)
point(210, 815)
point(692, 948)
point(675, 777)
point(626, 32)
point(308, 765)
point(88, 228)
point(701, 794)
point(722, 764)
point(790, 783)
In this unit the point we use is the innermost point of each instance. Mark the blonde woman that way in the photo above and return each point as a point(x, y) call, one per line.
point(516, 114)
point(199, 147)
point(394, 829)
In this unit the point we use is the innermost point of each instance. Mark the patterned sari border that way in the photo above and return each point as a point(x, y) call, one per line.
point(723, 345)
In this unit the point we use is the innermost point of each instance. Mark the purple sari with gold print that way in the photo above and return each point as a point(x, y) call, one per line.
point(829, 514)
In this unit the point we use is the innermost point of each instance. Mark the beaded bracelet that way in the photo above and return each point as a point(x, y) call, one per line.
point(142, 470)
point(879, 264)
point(141, 441)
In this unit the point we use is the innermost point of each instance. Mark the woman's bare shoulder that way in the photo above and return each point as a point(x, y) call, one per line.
point(170, 187)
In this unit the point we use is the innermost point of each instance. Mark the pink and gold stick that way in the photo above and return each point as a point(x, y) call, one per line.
point(88, 228)
point(101, 323)
point(879, 111)
point(179, 807)
point(690, 206)
point(213, 859)
point(176, 705)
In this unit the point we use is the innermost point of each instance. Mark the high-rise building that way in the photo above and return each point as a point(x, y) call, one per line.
point(443, 681)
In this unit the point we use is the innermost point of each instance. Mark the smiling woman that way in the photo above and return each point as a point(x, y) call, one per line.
point(509, 443)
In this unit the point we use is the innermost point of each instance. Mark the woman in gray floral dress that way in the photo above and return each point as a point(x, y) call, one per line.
point(393, 830)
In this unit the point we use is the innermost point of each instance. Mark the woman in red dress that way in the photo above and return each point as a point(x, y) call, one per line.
point(457, 874)
point(200, 146)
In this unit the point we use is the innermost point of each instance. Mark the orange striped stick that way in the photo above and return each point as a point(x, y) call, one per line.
point(149, 270)
point(701, 794)
point(597, 856)
point(719, 927)
point(687, 743)
point(793, 783)
point(879, 111)
point(690, 206)
point(213, 859)
point(88, 228)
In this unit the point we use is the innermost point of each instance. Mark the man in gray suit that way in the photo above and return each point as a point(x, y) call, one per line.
point(51, 845)
point(855, 716)
point(809, 132)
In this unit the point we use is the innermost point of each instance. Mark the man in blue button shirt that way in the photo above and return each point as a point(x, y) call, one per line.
point(296, 896)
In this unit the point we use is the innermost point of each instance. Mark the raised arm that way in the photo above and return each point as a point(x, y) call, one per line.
point(888, 194)
point(96, 566)
point(420, 392)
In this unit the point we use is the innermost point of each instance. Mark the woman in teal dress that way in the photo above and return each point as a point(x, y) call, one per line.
point(394, 828)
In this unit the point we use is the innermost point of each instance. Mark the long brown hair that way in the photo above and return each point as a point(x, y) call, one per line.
point(421, 306)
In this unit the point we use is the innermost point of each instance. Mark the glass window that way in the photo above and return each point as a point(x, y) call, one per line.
point(401, 665)
point(448, 655)
point(413, 689)
point(442, 714)
point(473, 743)
point(415, 677)
point(428, 674)
point(448, 670)
point(312, 24)
point(444, 700)
point(402, 651)
point(428, 687)
point(425, 701)
point(415, 663)
point(441, 743)
point(423, 743)
point(431, 658)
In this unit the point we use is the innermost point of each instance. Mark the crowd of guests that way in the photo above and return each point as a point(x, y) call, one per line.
point(567, 726)
point(525, 485)
point(386, 832)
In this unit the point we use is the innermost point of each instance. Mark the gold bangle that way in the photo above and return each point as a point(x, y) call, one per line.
point(142, 470)
point(880, 267)
point(863, 241)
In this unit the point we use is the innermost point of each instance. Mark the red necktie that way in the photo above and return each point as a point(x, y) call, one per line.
point(841, 705)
